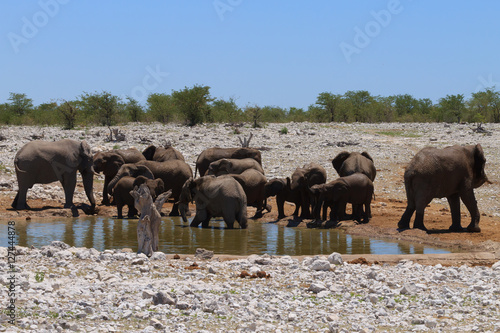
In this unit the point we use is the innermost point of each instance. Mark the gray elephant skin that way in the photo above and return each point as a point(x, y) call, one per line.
point(346, 164)
point(122, 189)
point(280, 187)
point(233, 166)
point(174, 174)
point(453, 172)
point(302, 179)
point(213, 154)
point(253, 183)
point(356, 189)
point(214, 196)
point(108, 162)
point(161, 154)
point(42, 162)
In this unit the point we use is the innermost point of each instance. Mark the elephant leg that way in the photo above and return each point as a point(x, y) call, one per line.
point(131, 211)
point(175, 209)
point(454, 202)
point(368, 211)
point(357, 211)
point(280, 202)
point(404, 222)
point(340, 211)
point(306, 211)
point(119, 210)
point(470, 202)
point(201, 216)
point(20, 199)
point(69, 185)
point(229, 218)
point(206, 222)
point(420, 206)
point(105, 198)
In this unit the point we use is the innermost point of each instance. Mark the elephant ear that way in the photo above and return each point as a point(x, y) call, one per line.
point(115, 159)
point(479, 161)
point(339, 160)
point(149, 152)
point(143, 170)
point(365, 154)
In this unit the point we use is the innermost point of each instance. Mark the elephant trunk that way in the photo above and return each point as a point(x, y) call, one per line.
point(183, 207)
point(88, 185)
point(119, 175)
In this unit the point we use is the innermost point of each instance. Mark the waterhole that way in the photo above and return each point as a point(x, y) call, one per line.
point(177, 237)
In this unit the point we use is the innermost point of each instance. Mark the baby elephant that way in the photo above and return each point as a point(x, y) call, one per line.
point(122, 196)
point(356, 189)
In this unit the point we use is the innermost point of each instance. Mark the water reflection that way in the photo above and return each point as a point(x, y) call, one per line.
point(177, 237)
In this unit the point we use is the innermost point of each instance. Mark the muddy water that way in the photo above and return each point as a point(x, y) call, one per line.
point(177, 237)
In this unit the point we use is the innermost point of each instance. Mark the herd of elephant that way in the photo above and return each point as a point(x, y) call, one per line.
point(233, 178)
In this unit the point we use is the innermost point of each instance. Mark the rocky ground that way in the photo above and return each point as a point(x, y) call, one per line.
point(85, 290)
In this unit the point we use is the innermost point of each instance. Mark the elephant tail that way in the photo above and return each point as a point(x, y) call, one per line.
point(16, 165)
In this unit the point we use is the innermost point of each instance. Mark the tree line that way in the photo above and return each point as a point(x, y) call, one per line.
point(195, 105)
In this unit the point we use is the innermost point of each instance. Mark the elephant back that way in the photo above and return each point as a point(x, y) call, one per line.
point(174, 174)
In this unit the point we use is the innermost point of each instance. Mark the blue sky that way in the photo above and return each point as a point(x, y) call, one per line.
point(281, 53)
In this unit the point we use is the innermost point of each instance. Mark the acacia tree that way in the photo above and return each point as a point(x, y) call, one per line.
point(225, 111)
point(452, 106)
point(485, 105)
point(193, 103)
point(161, 107)
point(133, 109)
point(19, 104)
point(360, 101)
point(69, 114)
point(102, 107)
point(329, 102)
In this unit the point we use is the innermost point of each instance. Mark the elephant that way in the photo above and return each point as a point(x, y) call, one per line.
point(43, 162)
point(346, 164)
point(214, 196)
point(452, 172)
point(356, 189)
point(280, 187)
point(253, 183)
point(108, 162)
point(122, 189)
point(213, 154)
point(303, 178)
point(161, 154)
point(233, 165)
point(174, 174)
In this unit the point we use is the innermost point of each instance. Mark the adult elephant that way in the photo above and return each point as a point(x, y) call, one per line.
point(233, 166)
point(356, 189)
point(161, 154)
point(42, 162)
point(302, 179)
point(346, 164)
point(174, 174)
point(453, 172)
point(213, 154)
point(108, 162)
point(253, 183)
point(122, 189)
point(214, 196)
point(280, 187)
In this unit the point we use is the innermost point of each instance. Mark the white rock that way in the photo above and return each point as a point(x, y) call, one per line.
point(335, 258)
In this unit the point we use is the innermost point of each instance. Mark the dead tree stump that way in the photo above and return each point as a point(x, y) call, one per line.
point(148, 226)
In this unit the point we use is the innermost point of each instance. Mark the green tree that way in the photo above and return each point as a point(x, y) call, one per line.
point(359, 101)
point(133, 110)
point(101, 107)
point(254, 114)
point(225, 111)
point(273, 114)
point(296, 114)
point(193, 103)
point(69, 114)
point(161, 107)
point(485, 106)
point(20, 104)
point(452, 107)
point(405, 105)
point(46, 114)
point(329, 103)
